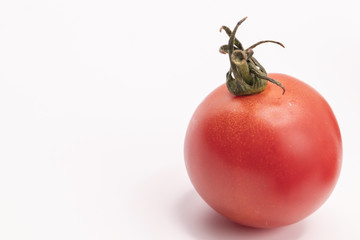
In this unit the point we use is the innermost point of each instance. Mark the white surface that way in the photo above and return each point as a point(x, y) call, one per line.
point(95, 98)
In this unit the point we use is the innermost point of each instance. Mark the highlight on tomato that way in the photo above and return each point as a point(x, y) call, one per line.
point(263, 150)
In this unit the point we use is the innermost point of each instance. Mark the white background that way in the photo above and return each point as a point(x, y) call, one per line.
point(95, 98)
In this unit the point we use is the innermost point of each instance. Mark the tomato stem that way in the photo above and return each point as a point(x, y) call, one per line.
point(246, 75)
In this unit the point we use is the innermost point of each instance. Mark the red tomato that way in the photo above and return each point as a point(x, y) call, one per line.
point(264, 160)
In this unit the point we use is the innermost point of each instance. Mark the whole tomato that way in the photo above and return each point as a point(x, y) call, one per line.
point(267, 159)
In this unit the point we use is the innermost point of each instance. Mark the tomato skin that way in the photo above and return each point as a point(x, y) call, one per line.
point(264, 160)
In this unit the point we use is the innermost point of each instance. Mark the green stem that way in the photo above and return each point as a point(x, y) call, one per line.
point(246, 75)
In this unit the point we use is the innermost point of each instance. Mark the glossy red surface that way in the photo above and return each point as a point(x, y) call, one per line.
point(264, 160)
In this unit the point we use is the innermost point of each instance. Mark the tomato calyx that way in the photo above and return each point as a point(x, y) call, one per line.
point(246, 75)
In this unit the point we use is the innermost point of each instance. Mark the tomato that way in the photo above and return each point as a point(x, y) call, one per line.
point(264, 160)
